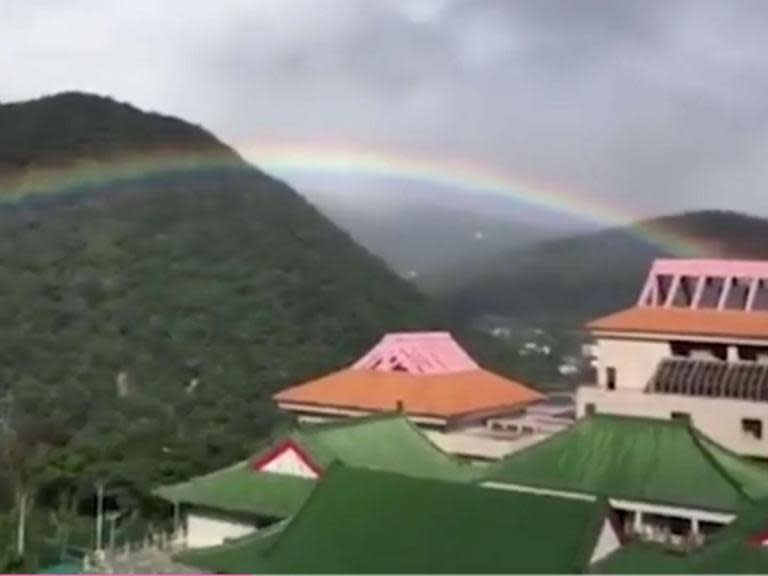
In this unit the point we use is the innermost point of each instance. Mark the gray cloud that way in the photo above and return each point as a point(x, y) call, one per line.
point(652, 105)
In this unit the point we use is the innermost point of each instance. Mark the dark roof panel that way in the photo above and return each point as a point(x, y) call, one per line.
point(711, 378)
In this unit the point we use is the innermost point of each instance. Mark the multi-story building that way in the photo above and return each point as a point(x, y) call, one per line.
point(695, 346)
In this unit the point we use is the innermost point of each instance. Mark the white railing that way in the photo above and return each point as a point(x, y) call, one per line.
point(155, 544)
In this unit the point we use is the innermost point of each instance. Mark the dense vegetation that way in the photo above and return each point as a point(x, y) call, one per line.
point(561, 283)
point(145, 323)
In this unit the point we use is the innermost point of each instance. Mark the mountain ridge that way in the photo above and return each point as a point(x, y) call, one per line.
point(566, 281)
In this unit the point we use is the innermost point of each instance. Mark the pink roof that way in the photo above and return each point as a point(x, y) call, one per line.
point(704, 267)
point(417, 353)
point(687, 281)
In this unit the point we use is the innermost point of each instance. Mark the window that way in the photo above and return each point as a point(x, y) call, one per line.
point(610, 378)
point(752, 427)
point(679, 526)
point(681, 416)
point(708, 528)
point(589, 409)
point(761, 296)
point(663, 284)
point(753, 353)
point(738, 294)
point(699, 350)
point(710, 297)
point(686, 290)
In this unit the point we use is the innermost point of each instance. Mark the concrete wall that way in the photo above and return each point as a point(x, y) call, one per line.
point(480, 444)
point(634, 360)
point(205, 529)
point(718, 418)
point(607, 542)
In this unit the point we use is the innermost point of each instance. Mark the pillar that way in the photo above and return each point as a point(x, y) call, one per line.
point(673, 288)
point(727, 285)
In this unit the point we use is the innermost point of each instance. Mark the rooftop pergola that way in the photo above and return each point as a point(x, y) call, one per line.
point(707, 285)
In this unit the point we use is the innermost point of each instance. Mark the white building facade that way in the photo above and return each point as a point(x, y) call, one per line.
point(695, 346)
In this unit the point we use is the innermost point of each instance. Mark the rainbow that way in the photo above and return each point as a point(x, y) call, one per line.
point(288, 160)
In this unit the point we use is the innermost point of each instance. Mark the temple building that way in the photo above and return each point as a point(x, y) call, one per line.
point(365, 522)
point(274, 483)
point(694, 347)
point(665, 480)
point(464, 409)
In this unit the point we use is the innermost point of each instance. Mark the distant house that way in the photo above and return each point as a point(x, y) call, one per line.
point(664, 479)
point(276, 481)
point(741, 548)
point(501, 332)
point(364, 522)
point(428, 377)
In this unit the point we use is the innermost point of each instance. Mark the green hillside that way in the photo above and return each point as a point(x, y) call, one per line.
point(563, 282)
point(147, 321)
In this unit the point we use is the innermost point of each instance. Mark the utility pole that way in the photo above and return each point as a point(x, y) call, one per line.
point(99, 515)
point(21, 528)
point(112, 520)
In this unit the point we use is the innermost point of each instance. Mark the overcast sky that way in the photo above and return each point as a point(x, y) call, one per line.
point(658, 105)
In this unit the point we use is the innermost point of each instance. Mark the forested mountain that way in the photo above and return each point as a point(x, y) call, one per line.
point(145, 320)
point(563, 282)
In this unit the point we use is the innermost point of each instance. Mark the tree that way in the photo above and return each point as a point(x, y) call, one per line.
point(25, 449)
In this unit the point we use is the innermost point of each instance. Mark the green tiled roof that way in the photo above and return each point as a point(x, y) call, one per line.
point(659, 461)
point(643, 558)
point(389, 443)
point(731, 551)
point(360, 521)
point(240, 489)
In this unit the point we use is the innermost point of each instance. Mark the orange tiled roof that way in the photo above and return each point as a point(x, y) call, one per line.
point(438, 395)
point(731, 323)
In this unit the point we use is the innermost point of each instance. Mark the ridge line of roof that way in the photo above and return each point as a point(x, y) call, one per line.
point(305, 434)
point(176, 485)
point(297, 518)
point(698, 436)
point(581, 422)
point(498, 466)
point(601, 495)
point(451, 458)
point(600, 513)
